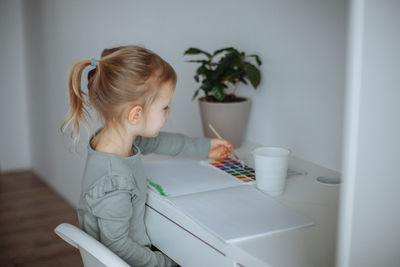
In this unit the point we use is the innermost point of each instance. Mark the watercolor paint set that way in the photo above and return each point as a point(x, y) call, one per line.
point(235, 168)
point(243, 172)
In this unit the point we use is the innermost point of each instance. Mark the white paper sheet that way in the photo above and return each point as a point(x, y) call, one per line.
point(240, 212)
point(181, 177)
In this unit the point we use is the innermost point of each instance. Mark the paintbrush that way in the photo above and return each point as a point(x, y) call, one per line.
point(220, 137)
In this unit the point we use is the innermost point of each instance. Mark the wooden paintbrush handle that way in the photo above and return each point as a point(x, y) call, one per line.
point(220, 137)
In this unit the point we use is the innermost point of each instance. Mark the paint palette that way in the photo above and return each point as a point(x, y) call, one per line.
point(234, 168)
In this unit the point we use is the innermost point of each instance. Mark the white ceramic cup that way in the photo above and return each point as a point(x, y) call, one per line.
point(271, 164)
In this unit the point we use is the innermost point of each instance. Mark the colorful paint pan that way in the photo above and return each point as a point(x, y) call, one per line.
point(235, 168)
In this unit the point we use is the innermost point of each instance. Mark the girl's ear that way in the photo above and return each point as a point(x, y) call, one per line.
point(135, 114)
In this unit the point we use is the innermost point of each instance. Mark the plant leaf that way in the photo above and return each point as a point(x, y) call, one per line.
point(203, 71)
point(231, 75)
point(257, 59)
point(218, 92)
point(197, 61)
point(243, 80)
point(222, 50)
point(195, 94)
point(196, 51)
point(206, 86)
point(253, 74)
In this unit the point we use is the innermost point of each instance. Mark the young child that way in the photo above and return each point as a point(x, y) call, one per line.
point(131, 88)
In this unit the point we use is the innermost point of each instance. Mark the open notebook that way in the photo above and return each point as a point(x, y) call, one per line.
point(230, 209)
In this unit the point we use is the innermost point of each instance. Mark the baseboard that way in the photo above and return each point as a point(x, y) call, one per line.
point(17, 170)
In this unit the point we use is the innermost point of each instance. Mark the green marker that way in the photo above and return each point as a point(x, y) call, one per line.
point(158, 188)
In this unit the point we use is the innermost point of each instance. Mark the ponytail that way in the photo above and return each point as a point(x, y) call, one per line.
point(77, 98)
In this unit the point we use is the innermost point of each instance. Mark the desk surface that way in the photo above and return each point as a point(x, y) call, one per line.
point(310, 246)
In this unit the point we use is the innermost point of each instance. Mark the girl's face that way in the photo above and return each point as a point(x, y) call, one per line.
point(158, 111)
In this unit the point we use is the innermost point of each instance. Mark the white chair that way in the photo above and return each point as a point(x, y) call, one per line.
point(93, 253)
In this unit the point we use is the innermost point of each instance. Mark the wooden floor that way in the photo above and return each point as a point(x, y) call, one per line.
point(29, 212)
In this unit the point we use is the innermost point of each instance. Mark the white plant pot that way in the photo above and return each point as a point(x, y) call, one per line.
point(228, 119)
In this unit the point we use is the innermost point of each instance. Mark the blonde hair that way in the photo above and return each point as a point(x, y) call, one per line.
point(123, 75)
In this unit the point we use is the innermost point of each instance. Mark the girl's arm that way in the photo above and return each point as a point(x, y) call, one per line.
point(174, 144)
point(114, 212)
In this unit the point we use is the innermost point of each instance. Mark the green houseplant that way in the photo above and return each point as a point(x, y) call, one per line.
point(219, 75)
point(224, 67)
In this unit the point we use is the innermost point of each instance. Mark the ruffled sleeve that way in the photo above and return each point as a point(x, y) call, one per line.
point(110, 184)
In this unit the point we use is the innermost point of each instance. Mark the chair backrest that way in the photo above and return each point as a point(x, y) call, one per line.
point(94, 254)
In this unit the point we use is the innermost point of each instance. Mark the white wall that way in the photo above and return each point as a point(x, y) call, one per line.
point(298, 105)
point(370, 213)
point(14, 131)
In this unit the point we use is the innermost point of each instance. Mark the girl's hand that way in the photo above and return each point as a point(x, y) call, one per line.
point(219, 149)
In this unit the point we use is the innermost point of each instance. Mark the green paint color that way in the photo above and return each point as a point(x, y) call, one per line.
point(158, 188)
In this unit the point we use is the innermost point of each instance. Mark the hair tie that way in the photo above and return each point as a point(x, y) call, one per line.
point(94, 62)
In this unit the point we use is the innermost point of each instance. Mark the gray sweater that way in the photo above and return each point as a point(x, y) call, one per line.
point(114, 193)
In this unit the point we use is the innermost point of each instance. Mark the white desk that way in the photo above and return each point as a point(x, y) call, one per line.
point(190, 245)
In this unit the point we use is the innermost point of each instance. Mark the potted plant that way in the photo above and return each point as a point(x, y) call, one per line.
point(219, 75)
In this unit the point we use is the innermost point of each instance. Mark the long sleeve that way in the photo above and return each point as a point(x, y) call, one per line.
point(174, 144)
point(114, 212)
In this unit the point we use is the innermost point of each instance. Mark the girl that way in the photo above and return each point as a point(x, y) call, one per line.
point(131, 88)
